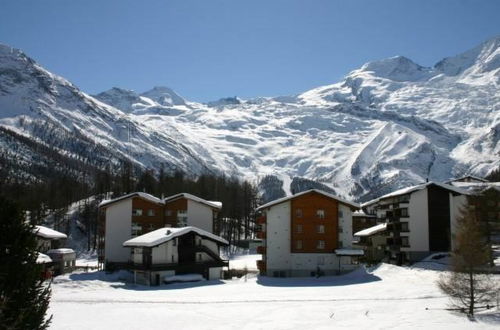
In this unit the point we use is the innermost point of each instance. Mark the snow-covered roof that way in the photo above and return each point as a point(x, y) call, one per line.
point(468, 177)
point(49, 233)
point(42, 258)
point(360, 213)
point(411, 189)
point(284, 199)
point(143, 195)
point(214, 204)
point(349, 252)
point(163, 235)
point(61, 251)
point(372, 230)
point(476, 187)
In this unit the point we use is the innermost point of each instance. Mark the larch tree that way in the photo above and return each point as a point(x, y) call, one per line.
point(468, 284)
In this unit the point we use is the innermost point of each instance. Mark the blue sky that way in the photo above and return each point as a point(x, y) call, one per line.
point(209, 49)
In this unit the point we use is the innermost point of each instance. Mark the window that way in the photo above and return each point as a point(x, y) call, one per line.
point(137, 212)
point(168, 213)
point(298, 213)
point(320, 229)
point(182, 218)
point(340, 229)
point(404, 212)
point(341, 214)
point(404, 226)
point(341, 244)
point(298, 245)
point(136, 229)
point(320, 213)
point(320, 245)
point(151, 213)
point(173, 258)
point(299, 229)
point(404, 241)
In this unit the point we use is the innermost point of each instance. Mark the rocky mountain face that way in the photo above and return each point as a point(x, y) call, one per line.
point(387, 125)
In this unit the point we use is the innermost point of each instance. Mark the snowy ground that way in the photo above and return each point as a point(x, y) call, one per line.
point(245, 260)
point(385, 297)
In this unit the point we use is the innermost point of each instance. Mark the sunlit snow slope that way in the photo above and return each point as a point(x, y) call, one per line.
point(389, 124)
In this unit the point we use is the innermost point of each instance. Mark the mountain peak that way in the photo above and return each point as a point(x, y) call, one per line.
point(164, 96)
point(398, 68)
point(484, 57)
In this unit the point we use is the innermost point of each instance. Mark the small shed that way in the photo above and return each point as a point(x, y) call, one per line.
point(64, 260)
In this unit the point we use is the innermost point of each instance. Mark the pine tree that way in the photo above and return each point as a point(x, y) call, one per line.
point(467, 284)
point(24, 297)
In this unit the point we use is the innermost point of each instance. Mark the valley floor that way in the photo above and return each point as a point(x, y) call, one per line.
point(381, 298)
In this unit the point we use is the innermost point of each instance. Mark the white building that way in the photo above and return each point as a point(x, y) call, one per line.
point(167, 252)
point(137, 213)
point(306, 234)
point(420, 219)
point(48, 238)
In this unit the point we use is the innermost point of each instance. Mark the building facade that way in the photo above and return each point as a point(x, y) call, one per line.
point(302, 233)
point(420, 220)
point(167, 252)
point(138, 213)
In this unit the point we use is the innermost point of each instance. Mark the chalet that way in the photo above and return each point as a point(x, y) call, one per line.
point(48, 238)
point(419, 220)
point(167, 252)
point(138, 213)
point(309, 233)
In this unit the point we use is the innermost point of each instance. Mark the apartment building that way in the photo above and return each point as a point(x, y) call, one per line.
point(134, 214)
point(309, 233)
point(419, 220)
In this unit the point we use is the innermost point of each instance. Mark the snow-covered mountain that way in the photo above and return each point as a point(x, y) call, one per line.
point(389, 124)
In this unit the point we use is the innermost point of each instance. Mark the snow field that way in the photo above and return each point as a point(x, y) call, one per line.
point(387, 297)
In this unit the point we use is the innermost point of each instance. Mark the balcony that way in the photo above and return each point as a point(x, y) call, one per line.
point(261, 235)
point(261, 265)
point(261, 249)
point(261, 220)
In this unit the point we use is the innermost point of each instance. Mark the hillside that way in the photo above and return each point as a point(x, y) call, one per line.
point(389, 124)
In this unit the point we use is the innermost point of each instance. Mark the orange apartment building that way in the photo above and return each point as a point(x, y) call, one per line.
point(309, 233)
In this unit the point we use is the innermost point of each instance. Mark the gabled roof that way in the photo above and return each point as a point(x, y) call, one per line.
point(412, 189)
point(142, 195)
point(212, 204)
point(284, 199)
point(476, 187)
point(48, 233)
point(372, 230)
point(163, 235)
point(467, 177)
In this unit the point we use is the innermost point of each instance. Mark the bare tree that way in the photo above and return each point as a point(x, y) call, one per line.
point(468, 284)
